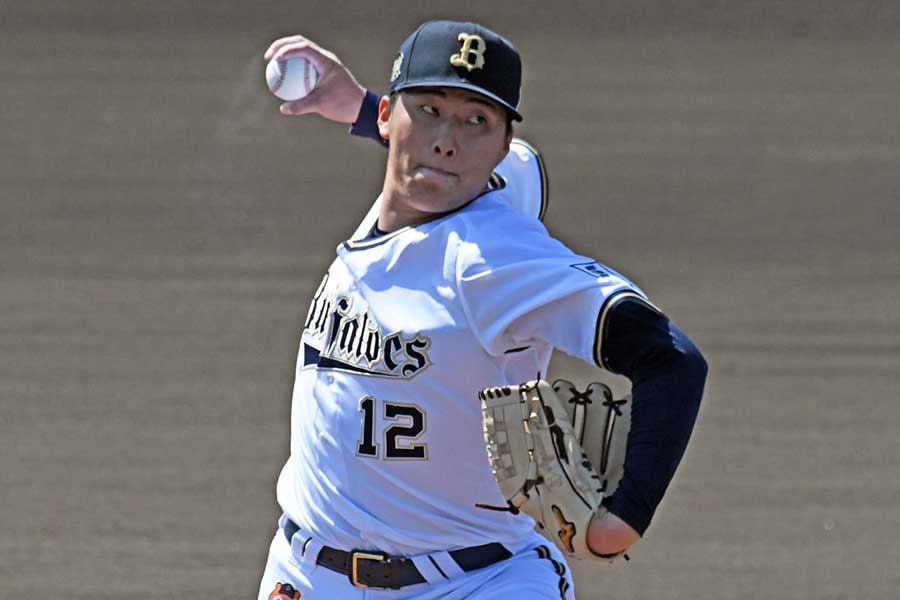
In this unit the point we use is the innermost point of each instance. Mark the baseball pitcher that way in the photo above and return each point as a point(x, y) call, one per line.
point(428, 458)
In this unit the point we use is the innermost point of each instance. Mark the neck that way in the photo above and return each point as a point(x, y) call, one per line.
point(390, 219)
point(396, 211)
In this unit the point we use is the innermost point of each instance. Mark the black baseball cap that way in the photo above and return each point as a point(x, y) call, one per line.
point(460, 55)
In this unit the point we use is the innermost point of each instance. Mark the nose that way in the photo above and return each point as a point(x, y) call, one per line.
point(444, 144)
point(443, 148)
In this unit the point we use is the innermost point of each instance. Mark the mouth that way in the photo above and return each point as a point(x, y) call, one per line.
point(434, 172)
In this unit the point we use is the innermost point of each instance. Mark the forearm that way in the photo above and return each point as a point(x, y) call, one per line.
point(668, 374)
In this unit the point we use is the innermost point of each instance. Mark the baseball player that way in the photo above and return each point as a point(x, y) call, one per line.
point(448, 287)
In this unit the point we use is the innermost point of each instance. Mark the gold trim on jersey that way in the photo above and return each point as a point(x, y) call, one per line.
point(614, 299)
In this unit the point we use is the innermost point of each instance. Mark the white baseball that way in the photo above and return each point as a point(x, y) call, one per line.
point(292, 78)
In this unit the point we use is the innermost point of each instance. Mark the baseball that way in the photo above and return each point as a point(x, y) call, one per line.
point(292, 78)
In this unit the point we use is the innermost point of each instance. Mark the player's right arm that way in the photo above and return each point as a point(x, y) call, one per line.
point(337, 95)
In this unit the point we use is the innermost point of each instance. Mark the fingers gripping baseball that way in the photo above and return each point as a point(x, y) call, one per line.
point(337, 95)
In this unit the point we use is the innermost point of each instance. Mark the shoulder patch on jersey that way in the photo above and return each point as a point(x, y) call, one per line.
point(594, 269)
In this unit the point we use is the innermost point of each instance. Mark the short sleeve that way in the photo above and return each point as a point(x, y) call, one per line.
point(534, 288)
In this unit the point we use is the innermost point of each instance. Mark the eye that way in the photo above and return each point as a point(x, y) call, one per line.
point(429, 109)
point(476, 120)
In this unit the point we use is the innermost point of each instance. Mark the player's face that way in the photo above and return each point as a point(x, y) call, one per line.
point(444, 144)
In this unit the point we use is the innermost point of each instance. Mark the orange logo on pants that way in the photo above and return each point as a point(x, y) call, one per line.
point(284, 591)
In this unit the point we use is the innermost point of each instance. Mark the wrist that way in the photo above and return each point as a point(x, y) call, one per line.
point(363, 99)
point(366, 124)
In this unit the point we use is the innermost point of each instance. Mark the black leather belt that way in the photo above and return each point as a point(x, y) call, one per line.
point(367, 569)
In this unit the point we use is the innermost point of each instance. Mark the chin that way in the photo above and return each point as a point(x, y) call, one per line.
point(427, 193)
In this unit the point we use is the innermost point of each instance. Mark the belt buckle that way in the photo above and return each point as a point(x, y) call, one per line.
point(357, 556)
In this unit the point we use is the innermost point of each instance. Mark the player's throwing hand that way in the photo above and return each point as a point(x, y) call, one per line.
point(337, 95)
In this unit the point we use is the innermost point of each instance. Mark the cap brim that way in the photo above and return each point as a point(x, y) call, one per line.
point(463, 86)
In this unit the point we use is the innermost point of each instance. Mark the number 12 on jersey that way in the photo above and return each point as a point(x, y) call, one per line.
point(399, 437)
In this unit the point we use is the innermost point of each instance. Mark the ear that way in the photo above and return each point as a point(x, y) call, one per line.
point(504, 150)
point(509, 137)
point(384, 115)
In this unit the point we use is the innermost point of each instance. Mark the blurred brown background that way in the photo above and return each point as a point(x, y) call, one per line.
point(162, 228)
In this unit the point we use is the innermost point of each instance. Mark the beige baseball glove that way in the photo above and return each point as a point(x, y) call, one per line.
point(533, 434)
point(601, 425)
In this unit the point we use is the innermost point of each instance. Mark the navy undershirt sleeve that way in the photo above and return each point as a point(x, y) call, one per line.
point(366, 124)
point(667, 372)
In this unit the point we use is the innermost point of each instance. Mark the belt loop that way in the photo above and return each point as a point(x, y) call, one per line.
point(446, 564)
point(305, 550)
point(428, 568)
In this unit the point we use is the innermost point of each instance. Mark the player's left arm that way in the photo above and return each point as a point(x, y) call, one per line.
point(668, 373)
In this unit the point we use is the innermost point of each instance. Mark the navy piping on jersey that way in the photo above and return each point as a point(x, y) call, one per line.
point(310, 355)
point(544, 553)
point(312, 359)
point(495, 183)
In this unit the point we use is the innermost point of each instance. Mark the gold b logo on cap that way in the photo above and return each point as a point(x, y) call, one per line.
point(473, 46)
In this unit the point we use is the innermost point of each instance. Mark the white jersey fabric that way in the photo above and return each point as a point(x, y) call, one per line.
point(387, 450)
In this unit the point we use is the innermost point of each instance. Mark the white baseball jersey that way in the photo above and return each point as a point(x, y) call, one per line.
point(387, 450)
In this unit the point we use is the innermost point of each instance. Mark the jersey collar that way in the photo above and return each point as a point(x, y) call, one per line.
point(495, 183)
